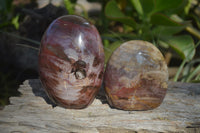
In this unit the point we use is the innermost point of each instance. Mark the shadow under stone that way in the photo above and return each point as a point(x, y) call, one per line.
point(39, 91)
point(102, 95)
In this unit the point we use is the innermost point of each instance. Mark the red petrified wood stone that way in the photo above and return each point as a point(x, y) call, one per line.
point(71, 62)
point(136, 77)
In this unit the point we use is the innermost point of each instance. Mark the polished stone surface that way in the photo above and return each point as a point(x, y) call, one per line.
point(71, 62)
point(136, 76)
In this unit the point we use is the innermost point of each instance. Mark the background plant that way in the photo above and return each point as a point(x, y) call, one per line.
point(8, 18)
point(162, 22)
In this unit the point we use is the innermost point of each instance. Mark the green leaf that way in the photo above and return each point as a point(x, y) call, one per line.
point(179, 9)
point(15, 21)
point(197, 79)
point(189, 68)
point(161, 5)
point(183, 45)
point(161, 19)
point(69, 6)
point(166, 31)
point(113, 12)
point(147, 6)
point(153, 6)
point(119, 36)
point(188, 6)
point(193, 73)
point(138, 7)
point(197, 20)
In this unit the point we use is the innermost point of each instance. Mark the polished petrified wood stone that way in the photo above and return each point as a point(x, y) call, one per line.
point(71, 61)
point(136, 76)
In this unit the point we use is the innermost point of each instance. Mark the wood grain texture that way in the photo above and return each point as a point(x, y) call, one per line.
point(34, 112)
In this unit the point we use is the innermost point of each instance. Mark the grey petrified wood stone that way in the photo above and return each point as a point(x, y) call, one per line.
point(34, 112)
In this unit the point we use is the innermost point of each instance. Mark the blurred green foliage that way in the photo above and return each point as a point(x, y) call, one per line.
point(70, 6)
point(162, 22)
point(8, 22)
point(8, 18)
point(152, 21)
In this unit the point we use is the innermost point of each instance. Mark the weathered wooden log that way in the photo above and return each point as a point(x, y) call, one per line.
point(34, 112)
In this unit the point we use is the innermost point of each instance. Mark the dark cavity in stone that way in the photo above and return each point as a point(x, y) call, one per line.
point(78, 65)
